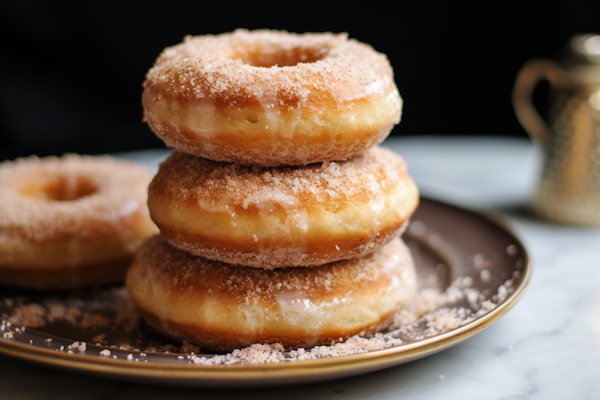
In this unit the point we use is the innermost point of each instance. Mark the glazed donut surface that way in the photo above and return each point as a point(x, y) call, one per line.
point(271, 98)
point(70, 221)
point(221, 307)
point(285, 216)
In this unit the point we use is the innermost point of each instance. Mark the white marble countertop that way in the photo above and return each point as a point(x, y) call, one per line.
point(546, 347)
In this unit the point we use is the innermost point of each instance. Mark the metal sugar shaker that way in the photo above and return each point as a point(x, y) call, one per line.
point(569, 187)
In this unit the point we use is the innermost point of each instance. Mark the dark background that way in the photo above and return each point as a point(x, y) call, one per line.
point(71, 72)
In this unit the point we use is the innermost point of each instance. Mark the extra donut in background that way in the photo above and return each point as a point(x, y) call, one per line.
point(271, 98)
point(71, 221)
point(221, 307)
point(285, 216)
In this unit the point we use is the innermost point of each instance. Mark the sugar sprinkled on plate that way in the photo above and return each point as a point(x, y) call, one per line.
point(431, 312)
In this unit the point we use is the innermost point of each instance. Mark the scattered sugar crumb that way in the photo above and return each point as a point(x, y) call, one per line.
point(81, 346)
point(485, 275)
point(511, 250)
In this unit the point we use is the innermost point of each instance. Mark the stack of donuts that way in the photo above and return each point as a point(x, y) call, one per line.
point(279, 214)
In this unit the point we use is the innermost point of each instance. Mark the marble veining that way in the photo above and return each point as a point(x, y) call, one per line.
point(546, 347)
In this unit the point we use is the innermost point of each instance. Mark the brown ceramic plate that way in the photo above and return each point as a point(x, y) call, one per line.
point(447, 242)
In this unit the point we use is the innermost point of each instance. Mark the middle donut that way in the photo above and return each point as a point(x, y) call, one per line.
point(282, 216)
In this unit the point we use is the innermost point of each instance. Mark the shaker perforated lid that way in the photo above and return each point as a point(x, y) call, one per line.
point(586, 48)
point(582, 62)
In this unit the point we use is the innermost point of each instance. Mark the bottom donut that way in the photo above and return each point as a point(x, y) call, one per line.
point(221, 307)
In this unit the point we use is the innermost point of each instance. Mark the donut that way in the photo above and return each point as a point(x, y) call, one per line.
point(270, 217)
point(70, 221)
point(221, 307)
point(271, 98)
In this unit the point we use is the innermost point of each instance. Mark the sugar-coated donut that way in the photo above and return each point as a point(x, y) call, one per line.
point(221, 307)
point(282, 216)
point(271, 98)
point(70, 221)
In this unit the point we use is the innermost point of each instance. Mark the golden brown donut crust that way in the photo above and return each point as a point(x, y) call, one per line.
point(221, 307)
point(286, 216)
point(65, 277)
point(271, 98)
point(70, 221)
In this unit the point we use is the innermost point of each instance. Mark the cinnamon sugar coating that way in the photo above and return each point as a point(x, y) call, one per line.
point(63, 215)
point(271, 97)
point(222, 307)
point(286, 216)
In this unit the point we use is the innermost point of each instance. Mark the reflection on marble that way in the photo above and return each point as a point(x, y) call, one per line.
point(546, 347)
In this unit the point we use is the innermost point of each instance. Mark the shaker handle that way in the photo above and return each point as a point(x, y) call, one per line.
point(528, 77)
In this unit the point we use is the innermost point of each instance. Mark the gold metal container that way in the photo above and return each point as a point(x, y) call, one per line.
point(569, 188)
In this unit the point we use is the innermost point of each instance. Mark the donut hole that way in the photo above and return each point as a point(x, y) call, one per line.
point(266, 58)
point(63, 188)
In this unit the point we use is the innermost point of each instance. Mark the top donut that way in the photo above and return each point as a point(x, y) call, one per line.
point(271, 98)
